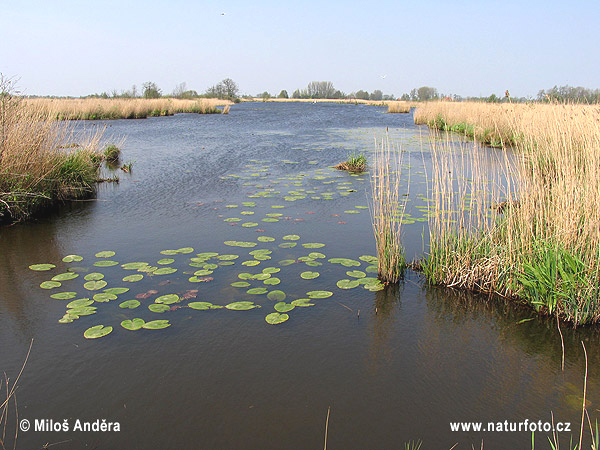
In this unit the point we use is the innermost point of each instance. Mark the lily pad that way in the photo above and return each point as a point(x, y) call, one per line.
point(251, 263)
point(257, 291)
point(309, 275)
point(165, 271)
point(287, 262)
point(156, 325)
point(95, 285)
point(347, 284)
point(276, 318)
point(104, 297)
point(116, 290)
point(372, 269)
point(50, 284)
point(133, 278)
point(240, 284)
point(42, 267)
point(168, 299)
point(291, 237)
point(94, 276)
point(200, 305)
point(169, 252)
point(82, 311)
point(316, 255)
point(265, 239)
point(97, 332)
point(241, 306)
point(249, 224)
point(64, 295)
point(277, 296)
point(106, 263)
point(134, 265)
point(302, 303)
point(356, 274)
point(283, 307)
point(80, 303)
point(65, 276)
point(287, 245)
point(158, 308)
point(133, 324)
point(165, 261)
point(240, 244)
point(202, 272)
point(72, 258)
point(185, 250)
point(368, 259)
point(313, 245)
point(273, 281)
point(271, 270)
point(227, 257)
point(130, 304)
point(319, 294)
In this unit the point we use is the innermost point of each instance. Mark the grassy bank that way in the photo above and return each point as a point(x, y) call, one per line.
point(119, 108)
point(529, 230)
point(42, 161)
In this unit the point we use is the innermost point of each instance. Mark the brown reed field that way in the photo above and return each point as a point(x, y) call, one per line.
point(398, 107)
point(42, 161)
point(123, 108)
point(529, 228)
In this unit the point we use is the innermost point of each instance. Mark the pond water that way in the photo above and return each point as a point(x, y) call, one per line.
point(393, 365)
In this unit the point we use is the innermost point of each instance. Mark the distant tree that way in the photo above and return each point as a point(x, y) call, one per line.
point(179, 89)
point(230, 87)
point(389, 97)
point(362, 95)
point(283, 94)
point(320, 89)
point(405, 97)
point(570, 94)
point(296, 94)
point(425, 93)
point(493, 99)
point(376, 95)
point(264, 95)
point(151, 90)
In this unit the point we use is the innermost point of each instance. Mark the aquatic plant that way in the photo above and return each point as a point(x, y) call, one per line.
point(112, 153)
point(355, 163)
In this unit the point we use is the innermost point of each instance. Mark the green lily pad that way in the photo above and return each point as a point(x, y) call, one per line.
point(251, 263)
point(210, 266)
point(271, 270)
point(133, 278)
point(265, 239)
point(158, 307)
point(95, 285)
point(130, 304)
point(245, 276)
point(240, 284)
point(276, 295)
point(291, 237)
point(200, 305)
point(276, 318)
point(67, 318)
point(287, 262)
point(356, 274)
point(185, 250)
point(232, 219)
point(241, 306)
point(133, 324)
point(309, 275)
point(319, 294)
point(94, 276)
point(287, 245)
point(50, 284)
point(64, 295)
point(240, 244)
point(168, 299)
point(165, 261)
point(165, 271)
point(257, 291)
point(148, 269)
point(316, 255)
point(202, 272)
point(346, 262)
point(106, 263)
point(156, 325)
point(80, 303)
point(313, 263)
point(302, 303)
point(368, 259)
point(283, 307)
point(261, 276)
point(273, 281)
point(72, 258)
point(42, 267)
point(313, 245)
point(227, 257)
point(97, 332)
point(372, 269)
point(65, 276)
point(249, 224)
point(134, 265)
point(169, 252)
point(105, 254)
point(116, 290)
point(82, 311)
point(347, 284)
point(104, 297)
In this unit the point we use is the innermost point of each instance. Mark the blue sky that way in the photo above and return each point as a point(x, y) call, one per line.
point(465, 47)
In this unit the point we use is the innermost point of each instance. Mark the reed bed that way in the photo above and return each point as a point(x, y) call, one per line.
point(122, 108)
point(42, 161)
point(530, 229)
point(398, 107)
point(387, 211)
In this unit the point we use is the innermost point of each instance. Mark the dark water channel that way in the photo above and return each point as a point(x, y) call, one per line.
point(394, 365)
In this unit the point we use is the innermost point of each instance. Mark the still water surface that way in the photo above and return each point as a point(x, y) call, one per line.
point(394, 365)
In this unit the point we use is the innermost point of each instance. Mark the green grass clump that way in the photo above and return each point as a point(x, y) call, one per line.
point(355, 163)
point(112, 153)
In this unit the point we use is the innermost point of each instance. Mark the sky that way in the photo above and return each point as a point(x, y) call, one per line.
point(464, 47)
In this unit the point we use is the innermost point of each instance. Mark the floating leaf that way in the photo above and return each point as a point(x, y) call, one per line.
point(67, 318)
point(168, 299)
point(249, 224)
point(116, 290)
point(165, 261)
point(133, 278)
point(347, 284)
point(134, 265)
point(287, 262)
point(265, 239)
point(245, 276)
point(202, 272)
point(319, 294)
point(158, 308)
point(313, 263)
point(82, 311)
point(240, 284)
point(368, 259)
point(287, 245)
point(372, 269)
point(200, 305)
point(276, 318)
point(185, 250)
point(283, 307)
point(156, 325)
point(240, 244)
point(277, 296)
point(106, 263)
point(227, 257)
point(210, 266)
point(147, 269)
point(42, 267)
point(241, 306)
point(104, 297)
point(130, 304)
point(65, 276)
point(309, 275)
point(165, 271)
point(345, 262)
point(313, 245)
point(95, 285)
point(94, 276)
point(251, 263)
point(80, 303)
point(316, 255)
point(97, 332)
point(272, 281)
point(64, 295)
point(105, 254)
point(133, 325)
point(271, 270)
point(356, 274)
point(72, 258)
point(169, 252)
point(291, 237)
point(50, 284)
point(302, 302)
point(255, 291)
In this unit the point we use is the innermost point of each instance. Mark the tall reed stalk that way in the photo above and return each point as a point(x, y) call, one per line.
point(387, 211)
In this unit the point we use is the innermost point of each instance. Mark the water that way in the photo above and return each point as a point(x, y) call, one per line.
point(414, 359)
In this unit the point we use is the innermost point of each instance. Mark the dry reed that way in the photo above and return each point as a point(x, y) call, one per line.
point(120, 108)
point(387, 211)
point(398, 107)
